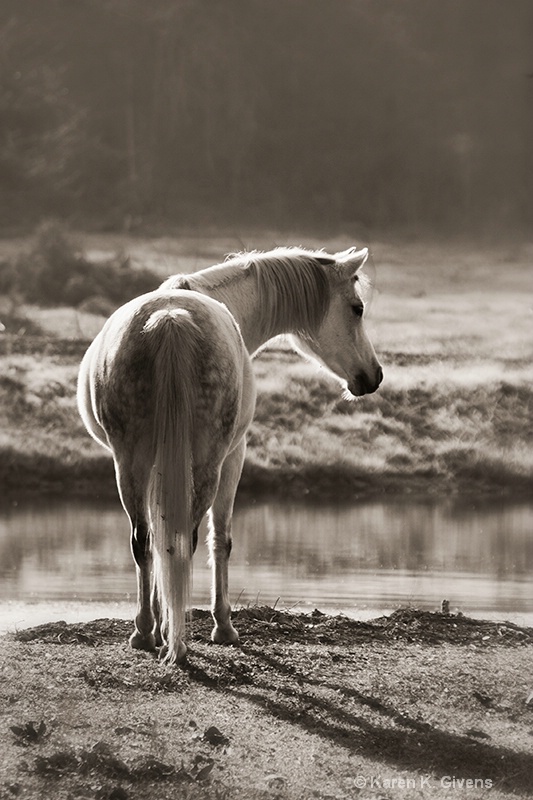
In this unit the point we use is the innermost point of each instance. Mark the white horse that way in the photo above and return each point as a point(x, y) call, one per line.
point(168, 387)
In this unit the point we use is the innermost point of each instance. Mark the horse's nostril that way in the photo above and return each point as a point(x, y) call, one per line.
point(369, 383)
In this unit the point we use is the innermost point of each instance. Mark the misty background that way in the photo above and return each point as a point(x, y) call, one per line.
point(358, 115)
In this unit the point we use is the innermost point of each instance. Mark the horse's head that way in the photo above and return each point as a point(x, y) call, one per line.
point(341, 343)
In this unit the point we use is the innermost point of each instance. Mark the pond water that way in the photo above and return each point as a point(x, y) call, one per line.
point(71, 560)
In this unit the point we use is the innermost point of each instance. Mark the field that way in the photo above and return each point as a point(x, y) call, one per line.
point(451, 325)
point(417, 706)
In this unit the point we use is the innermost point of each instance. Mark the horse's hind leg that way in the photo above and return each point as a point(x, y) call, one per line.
point(146, 634)
point(220, 545)
point(146, 626)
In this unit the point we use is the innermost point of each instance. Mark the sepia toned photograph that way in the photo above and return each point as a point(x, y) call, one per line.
point(266, 399)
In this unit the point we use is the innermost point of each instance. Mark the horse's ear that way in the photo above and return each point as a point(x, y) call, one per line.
point(352, 259)
point(181, 282)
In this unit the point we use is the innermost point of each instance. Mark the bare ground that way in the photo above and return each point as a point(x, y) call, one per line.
point(414, 705)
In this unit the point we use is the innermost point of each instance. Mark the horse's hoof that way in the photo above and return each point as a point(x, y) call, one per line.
point(142, 641)
point(225, 635)
point(171, 656)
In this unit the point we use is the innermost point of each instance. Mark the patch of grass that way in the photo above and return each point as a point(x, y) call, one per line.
point(439, 436)
point(43, 443)
point(453, 413)
point(446, 434)
point(54, 271)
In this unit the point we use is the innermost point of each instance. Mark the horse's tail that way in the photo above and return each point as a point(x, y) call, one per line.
point(173, 342)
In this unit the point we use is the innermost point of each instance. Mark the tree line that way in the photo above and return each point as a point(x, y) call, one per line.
point(406, 114)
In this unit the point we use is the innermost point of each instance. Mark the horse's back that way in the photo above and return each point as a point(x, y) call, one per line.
point(121, 372)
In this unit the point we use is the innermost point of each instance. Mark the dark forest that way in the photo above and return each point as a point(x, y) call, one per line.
point(364, 115)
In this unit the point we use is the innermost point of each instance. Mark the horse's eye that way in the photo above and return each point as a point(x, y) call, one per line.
point(358, 310)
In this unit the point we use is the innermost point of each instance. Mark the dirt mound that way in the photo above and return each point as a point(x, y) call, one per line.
point(264, 623)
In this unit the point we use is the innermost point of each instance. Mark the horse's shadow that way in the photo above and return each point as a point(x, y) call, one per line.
point(377, 731)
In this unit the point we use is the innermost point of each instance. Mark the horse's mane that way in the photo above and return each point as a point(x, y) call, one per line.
point(292, 283)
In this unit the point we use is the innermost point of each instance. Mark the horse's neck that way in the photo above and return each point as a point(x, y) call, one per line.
point(241, 297)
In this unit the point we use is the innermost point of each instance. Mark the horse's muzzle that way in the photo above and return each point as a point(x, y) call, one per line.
point(365, 383)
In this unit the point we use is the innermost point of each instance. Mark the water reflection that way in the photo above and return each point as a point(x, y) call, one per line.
point(373, 555)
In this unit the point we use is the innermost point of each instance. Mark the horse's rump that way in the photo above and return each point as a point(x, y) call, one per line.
point(126, 368)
